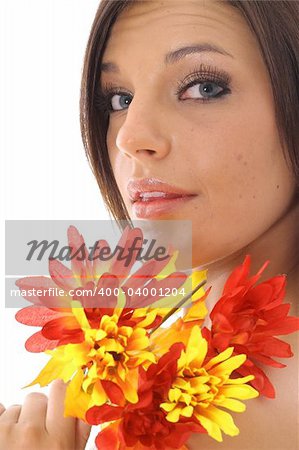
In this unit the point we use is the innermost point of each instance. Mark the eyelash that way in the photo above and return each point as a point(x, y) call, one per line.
point(203, 74)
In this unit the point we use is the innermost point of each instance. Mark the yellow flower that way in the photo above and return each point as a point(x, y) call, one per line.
point(103, 367)
point(202, 387)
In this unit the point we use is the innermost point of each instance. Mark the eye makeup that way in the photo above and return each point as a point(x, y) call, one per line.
point(205, 74)
point(200, 75)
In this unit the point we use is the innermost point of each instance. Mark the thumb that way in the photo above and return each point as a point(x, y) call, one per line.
point(82, 434)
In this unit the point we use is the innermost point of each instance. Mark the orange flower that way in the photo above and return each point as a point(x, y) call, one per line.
point(248, 317)
point(104, 367)
point(54, 312)
point(144, 425)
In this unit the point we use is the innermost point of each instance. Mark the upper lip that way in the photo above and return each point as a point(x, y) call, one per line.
point(137, 188)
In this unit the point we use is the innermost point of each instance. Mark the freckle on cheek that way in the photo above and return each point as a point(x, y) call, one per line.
point(277, 186)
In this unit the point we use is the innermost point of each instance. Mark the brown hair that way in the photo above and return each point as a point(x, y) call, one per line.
point(275, 25)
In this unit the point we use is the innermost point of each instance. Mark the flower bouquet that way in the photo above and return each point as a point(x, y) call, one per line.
point(149, 385)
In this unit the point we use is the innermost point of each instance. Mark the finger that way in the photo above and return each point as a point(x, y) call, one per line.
point(56, 423)
point(34, 409)
point(11, 414)
point(82, 434)
point(2, 408)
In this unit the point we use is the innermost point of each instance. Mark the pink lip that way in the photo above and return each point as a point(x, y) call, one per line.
point(151, 197)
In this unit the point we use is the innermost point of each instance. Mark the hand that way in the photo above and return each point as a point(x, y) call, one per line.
point(39, 424)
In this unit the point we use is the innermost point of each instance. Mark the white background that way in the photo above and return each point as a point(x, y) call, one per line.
point(44, 171)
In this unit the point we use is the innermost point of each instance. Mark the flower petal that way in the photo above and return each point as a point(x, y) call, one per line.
point(101, 414)
point(38, 343)
point(108, 438)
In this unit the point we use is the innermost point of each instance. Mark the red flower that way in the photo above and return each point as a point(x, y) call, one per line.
point(248, 317)
point(52, 311)
point(143, 425)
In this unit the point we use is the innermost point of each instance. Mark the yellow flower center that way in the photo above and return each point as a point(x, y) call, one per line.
point(111, 351)
point(190, 391)
point(107, 348)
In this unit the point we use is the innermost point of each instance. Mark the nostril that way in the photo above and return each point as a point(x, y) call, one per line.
point(150, 152)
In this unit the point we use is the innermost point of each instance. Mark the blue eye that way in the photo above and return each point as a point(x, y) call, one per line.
point(203, 90)
point(120, 101)
point(203, 85)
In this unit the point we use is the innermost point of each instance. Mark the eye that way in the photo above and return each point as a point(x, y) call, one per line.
point(205, 83)
point(120, 101)
point(202, 90)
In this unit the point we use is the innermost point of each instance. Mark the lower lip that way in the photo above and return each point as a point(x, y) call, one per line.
point(157, 208)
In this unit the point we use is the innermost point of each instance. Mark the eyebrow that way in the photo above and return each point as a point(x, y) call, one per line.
point(176, 55)
point(182, 52)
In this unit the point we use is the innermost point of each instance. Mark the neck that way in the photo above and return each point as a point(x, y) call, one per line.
point(279, 244)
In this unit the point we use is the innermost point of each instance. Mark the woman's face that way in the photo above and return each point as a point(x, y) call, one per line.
point(200, 119)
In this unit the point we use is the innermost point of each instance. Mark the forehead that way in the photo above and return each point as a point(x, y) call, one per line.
point(151, 28)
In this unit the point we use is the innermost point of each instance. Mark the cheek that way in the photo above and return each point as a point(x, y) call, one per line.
point(121, 164)
point(110, 142)
point(113, 152)
point(236, 151)
point(238, 165)
point(114, 156)
point(219, 156)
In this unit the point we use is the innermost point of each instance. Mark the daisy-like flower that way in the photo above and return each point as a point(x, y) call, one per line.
point(143, 425)
point(104, 366)
point(248, 317)
point(54, 313)
point(202, 388)
point(99, 350)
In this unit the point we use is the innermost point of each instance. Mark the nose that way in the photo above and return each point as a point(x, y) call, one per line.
point(143, 134)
